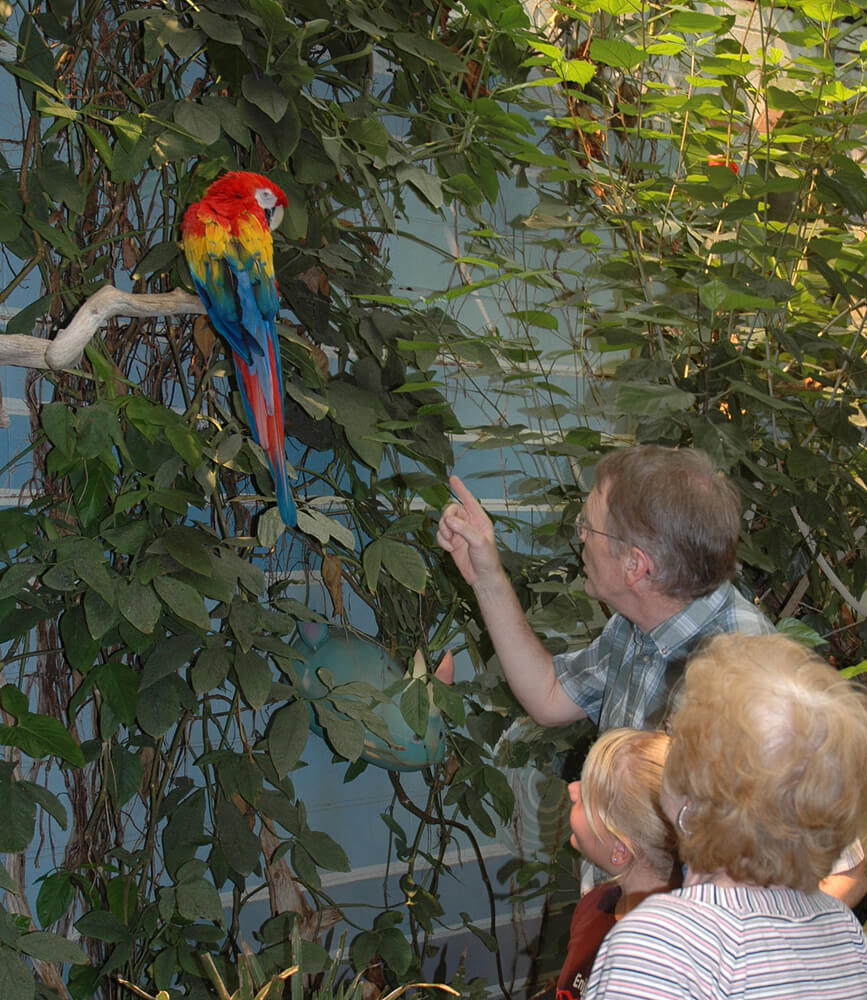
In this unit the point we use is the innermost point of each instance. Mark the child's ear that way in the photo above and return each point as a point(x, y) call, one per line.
point(620, 854)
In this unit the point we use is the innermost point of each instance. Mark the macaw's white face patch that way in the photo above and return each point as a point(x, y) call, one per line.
point(268, 203)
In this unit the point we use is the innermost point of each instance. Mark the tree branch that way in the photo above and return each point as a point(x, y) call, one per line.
point(65, 350)
point(857, 606)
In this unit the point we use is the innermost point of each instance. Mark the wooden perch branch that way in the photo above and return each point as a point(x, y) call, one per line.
point(65, 350)
point(857, 606)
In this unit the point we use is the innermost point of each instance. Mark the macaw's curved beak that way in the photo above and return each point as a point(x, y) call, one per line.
point(274, 216)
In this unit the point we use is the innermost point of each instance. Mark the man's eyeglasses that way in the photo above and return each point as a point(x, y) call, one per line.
point(582, 525)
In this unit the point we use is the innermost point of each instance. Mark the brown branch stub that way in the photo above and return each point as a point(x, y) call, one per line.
point(65, 350)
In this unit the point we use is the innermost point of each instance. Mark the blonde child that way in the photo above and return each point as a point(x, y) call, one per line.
point(618, 824)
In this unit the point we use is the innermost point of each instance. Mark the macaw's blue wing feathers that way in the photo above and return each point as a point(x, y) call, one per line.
point(230, 252)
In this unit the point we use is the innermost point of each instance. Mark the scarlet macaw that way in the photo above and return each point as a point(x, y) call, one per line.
point(230, 252)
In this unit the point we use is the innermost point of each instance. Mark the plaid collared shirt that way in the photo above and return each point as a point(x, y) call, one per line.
point(627, 678)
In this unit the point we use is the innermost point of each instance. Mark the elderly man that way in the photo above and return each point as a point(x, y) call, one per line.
point(660, 531)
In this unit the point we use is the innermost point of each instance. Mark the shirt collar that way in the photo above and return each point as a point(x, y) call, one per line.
point(688, 623)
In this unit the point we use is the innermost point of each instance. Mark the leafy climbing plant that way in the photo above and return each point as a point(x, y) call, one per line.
point(660, 209)
point(694, 253)
point(151, 708)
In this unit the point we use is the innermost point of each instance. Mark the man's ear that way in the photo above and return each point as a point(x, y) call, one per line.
point(639, 566)
point(620, 854)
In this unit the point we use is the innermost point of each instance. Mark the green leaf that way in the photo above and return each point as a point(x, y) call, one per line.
point(488, 940)
point(168, 657)
point(692, 21)
point(138, 603)
point(221, 29)
point(98, 576)
point(239, 844)
point(427, 185)
point(14, 701)
point(159, 707)
point(188, 547)
point(16, 979)
point(345, 735)
point(325, 851)
point(17, 577)
point(60, 181)
point(119, 685)
point(6, 881)
point(271, 528)
point(277, 806)
point(17, 818)
point(364, 946)
point(56, 895)
point(414, 705)
point(102, 925)
point(580, 71)
point(372, 561)
point(198, 898)
point(477, 814)
point(47, 800)
point(183, 600)
point(127, 128)
point(100, 144)
point(100, 615)
point(502, 796)
point(128, 539)
point(265, 95)
point(198, 121)
point(653, 400)
point(448, 701)
point(185, 442)
point(618, 54)
point(254, 678)
point(794, 628)
point(358, 412)
point(395, 950)
point(183, 834)
point(124, 776)
point(287, 736)
point(157, 260)
point(318, 525)
point(49, 947)
point(717, 295)
point(42, 736)
point(405, 564)
point(428, 49)
point(210, 669)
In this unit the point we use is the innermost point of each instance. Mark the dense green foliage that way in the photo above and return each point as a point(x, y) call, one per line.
point(686, 301)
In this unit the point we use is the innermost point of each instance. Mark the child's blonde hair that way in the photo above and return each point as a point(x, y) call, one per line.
point(620, 785)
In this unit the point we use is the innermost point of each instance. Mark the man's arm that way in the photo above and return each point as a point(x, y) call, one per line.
point(849, 887)
point(466, 532)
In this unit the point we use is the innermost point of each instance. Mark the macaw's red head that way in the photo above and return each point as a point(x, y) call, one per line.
point(235, 191)
point(715, 160)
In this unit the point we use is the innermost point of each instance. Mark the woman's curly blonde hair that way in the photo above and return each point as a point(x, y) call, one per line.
point(769, 745)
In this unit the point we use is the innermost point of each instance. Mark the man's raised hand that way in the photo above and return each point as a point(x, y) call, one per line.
point(466, 532)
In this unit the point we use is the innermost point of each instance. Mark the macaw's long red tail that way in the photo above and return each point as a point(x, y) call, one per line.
point(262, 391)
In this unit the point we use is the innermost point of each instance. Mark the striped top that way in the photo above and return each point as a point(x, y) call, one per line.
point(708, 942)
